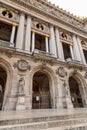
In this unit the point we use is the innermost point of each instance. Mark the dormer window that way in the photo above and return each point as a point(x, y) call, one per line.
point(7, 14)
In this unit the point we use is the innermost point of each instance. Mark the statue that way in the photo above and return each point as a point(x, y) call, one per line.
point(21, 85)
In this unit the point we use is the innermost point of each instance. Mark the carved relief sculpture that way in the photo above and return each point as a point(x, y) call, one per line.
point(21, 85)
point(22, 65)
point(21, 95)
point(61, 72)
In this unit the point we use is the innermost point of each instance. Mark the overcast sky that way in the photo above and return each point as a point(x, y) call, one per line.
point(77, 7)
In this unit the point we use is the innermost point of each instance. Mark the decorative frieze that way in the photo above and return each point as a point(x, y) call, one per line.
point(53, 11)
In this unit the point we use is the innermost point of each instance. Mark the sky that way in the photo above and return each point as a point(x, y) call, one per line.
point(77, 7)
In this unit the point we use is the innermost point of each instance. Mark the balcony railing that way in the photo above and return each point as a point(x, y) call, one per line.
point(36, 51)
point(4, 43)
point(70, 60)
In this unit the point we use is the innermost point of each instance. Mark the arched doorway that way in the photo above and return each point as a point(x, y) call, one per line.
point(3, 77)
point(75, 93)
point(41, 91)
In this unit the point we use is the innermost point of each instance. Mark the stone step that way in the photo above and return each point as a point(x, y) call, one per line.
point(44, 120)
point(66, 123)
point(25, 120)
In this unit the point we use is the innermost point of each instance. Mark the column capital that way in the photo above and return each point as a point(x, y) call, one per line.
point(14, 24)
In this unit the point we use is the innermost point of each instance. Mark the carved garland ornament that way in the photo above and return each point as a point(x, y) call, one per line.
point(61, 72)
point(22, 65)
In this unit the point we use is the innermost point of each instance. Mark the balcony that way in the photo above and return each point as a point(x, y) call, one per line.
point(75, 63)
point(43, 53)
point(4, 43)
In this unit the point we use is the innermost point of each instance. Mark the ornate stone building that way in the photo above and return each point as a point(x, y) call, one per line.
point(43, 56)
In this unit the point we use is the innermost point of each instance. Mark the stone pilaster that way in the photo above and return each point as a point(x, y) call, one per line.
point(76, 49)
point(60, 95)
point(59, 45)
point(81, 51)
point(52, 42)
point(28, 35)
point(20, 33)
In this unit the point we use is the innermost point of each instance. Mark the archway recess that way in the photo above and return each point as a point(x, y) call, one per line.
point(75, 91)
point(41, 98)
point(3, 78)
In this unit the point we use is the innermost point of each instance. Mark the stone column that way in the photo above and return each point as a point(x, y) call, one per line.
point(81, 50)
point(33, 41)
point(12, 36)
point(28, 35)
point(52, 42)
point(71, 50)
point(60, 95)
point(76, 50)
point(20, 34)
point(47, 45)
point(59, 45)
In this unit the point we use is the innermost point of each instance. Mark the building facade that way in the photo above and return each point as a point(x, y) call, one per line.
point(43, 56)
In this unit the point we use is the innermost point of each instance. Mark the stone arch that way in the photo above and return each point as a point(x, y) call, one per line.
point(7, 67)
point(82, 85)
point(52, 81)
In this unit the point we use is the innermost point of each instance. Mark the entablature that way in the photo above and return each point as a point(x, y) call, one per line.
point(52, 11)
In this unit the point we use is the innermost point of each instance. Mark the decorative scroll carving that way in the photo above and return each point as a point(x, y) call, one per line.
point(22, 65)
point(61, 72)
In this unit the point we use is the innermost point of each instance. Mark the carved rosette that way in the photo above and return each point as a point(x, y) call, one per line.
point(22, 65)
point(61, 72)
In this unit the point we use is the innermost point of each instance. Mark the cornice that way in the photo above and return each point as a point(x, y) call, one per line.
point(44, 4)
point(49, 11)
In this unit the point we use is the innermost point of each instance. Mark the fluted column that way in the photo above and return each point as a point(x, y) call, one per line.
point(33, 41)
point(59, 45)
point(52, 42)
point(20, 34)
point(28, 35)
point(12, 36)
point(76, 49)
point(81, 50)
